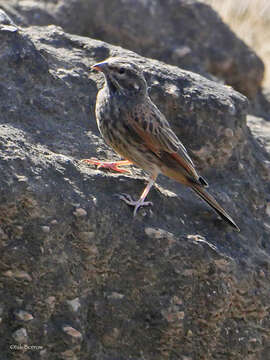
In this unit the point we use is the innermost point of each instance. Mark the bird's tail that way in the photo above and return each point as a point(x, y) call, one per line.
point(199, 190)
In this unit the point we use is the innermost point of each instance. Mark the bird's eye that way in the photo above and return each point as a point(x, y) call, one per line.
point(121, 70)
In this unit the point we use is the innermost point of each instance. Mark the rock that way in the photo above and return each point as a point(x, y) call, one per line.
point(116, 296)
point(23, 315)
point(6, 24)
point(3, 236)
point(75, 334)
point(175, 283)
point(80, 212)
point(20, 336)
point(260, 128)
point(179, 32)
point(45, 229)
point(18, 274)
point(68, 355)
point(74, 304)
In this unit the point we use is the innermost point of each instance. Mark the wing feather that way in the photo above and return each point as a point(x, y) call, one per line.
point(158, 136)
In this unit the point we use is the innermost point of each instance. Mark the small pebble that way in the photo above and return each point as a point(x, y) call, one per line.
point(182, 51)
point(176, 300)
point(79, 212)
point(51, 301)
point(72, 332)
point(157, 233)
point(222, 264)
point(241, 166)
point(180, 315)
point(18, 274)
point(116, 295)
point(20, 336)
point(68, 355)
point(93, 250)
point(23, 315)
point(74, 304)
point(3, 236)
point(45, 229)
point(228, 133)
point(22, 178)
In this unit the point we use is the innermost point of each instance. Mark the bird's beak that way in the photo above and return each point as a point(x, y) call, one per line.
point(99, 67)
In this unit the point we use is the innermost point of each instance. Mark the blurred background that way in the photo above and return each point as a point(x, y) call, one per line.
point(250, 20)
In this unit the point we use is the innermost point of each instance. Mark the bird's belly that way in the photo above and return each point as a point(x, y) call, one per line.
point(118, 134)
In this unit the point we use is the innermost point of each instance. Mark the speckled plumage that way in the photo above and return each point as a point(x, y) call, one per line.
point(134, 127)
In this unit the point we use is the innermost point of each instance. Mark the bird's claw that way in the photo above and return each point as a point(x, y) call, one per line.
point(136, 203)
point(111, 165)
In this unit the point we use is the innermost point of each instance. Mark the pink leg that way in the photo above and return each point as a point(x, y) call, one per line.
point(137, 204)
point(111, 165)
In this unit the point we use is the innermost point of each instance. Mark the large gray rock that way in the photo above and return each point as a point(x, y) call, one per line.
point(80, 277)
point(186, 33)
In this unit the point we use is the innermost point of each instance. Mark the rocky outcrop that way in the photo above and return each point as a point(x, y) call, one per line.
point(80, 277)
point(186, 33)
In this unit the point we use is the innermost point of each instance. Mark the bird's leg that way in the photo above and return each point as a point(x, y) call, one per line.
point(111, 165)
point(137, 204)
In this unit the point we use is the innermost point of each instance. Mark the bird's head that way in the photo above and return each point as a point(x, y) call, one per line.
point(123, 77)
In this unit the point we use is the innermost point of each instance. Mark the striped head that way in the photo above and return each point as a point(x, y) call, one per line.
point(123, 77)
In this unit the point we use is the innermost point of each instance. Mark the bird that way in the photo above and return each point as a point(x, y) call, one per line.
point(133, 126)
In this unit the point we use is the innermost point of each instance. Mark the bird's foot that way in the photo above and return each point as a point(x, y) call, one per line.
point(137, 204)
point(111, 165)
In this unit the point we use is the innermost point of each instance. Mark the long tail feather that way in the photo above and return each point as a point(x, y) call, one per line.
point(214, 204)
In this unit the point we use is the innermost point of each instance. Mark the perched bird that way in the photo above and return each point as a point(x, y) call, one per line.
point(135, 128)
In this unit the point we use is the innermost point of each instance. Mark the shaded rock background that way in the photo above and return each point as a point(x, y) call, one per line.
point(80, 277)
point(186, 33)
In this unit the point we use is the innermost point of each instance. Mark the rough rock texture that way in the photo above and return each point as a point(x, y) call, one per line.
point(80, 277)
point(186, 33)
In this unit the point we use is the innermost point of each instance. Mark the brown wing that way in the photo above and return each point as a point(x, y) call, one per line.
point(159, 137)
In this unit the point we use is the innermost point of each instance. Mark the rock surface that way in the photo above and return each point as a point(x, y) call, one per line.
point(174, 282)
point(186, 33)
